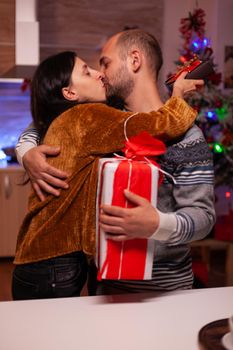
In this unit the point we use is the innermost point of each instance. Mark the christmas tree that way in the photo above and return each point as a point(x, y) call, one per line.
point(215, 108)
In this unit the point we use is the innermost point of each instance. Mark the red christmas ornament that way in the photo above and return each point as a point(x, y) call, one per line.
point(193, 23)
point(25, 84)
point(218, 103)
point(228, 194)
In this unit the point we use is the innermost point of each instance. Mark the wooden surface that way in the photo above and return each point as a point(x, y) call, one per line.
point(229, 264)
point(79, 25)
point(207, 245)
point(210, 336)
point(6, 269)
point(7, 34)
point(13, 204)
point(84, 25)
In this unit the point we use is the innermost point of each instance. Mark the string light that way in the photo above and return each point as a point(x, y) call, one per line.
point(218, 148)
point(2, 155)
point(205, 42)
point(199, 45)
point(182, 59)
point(195, 44)
point(221, 112)
point(211, 115)
point(228, 194)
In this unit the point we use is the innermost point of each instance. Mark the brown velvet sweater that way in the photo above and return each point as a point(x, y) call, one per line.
point(85, 133)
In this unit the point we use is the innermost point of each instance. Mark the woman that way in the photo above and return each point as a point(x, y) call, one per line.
point(58, 234)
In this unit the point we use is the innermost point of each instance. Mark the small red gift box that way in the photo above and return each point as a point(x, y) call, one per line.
point(132, 259)
point(195, 68)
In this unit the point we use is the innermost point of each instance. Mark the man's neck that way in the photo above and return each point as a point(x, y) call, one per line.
point(144, 98)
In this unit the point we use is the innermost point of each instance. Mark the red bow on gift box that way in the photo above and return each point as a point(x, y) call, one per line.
point(143, 145)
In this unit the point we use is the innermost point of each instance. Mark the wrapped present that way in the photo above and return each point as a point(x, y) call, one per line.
point(132, 259)
point(195, 68)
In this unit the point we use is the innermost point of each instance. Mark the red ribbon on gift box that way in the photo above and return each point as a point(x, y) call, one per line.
point(127, 260)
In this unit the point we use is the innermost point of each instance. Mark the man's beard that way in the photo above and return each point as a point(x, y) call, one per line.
point(121, 88)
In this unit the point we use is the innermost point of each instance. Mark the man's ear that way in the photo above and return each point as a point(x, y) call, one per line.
point(135, 60)
point(69, 94)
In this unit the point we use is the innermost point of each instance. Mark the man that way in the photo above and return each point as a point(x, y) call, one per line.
point(185, 210)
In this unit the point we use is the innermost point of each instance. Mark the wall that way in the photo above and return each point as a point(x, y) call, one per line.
point(27, 26)
point(224, 30)
point(84, 25)
point(7, 34)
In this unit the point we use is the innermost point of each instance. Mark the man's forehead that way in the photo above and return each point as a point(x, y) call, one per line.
point(110, 45)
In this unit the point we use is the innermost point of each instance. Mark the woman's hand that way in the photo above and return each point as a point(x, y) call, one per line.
point(182, 85)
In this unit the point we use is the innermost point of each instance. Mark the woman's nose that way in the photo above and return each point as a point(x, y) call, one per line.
point(99, 75)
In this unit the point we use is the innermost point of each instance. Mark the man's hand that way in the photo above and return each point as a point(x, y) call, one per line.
point(121, 224)
point(44, 177)
point(182, 85)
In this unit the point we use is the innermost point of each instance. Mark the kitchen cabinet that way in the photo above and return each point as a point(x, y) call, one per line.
point(13, 206)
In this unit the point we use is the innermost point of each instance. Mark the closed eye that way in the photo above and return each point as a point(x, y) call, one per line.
point(85, 70)
point(104, 62)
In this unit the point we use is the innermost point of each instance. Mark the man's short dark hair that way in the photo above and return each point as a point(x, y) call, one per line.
point(144, 41)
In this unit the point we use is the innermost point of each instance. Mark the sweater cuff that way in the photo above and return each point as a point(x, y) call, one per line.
point(22, 149)
point(167, 226)
point(182, 108)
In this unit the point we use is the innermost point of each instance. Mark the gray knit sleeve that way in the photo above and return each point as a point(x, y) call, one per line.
point(190, 202)
point(27, 140)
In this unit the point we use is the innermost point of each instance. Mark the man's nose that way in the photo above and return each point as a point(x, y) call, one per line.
point(102, 68)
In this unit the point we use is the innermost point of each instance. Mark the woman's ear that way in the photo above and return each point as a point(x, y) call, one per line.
point(70, 94)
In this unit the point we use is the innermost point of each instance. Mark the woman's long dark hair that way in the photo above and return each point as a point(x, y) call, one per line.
point(47, 100)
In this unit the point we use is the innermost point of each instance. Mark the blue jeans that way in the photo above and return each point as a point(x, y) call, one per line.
point(58, 277)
